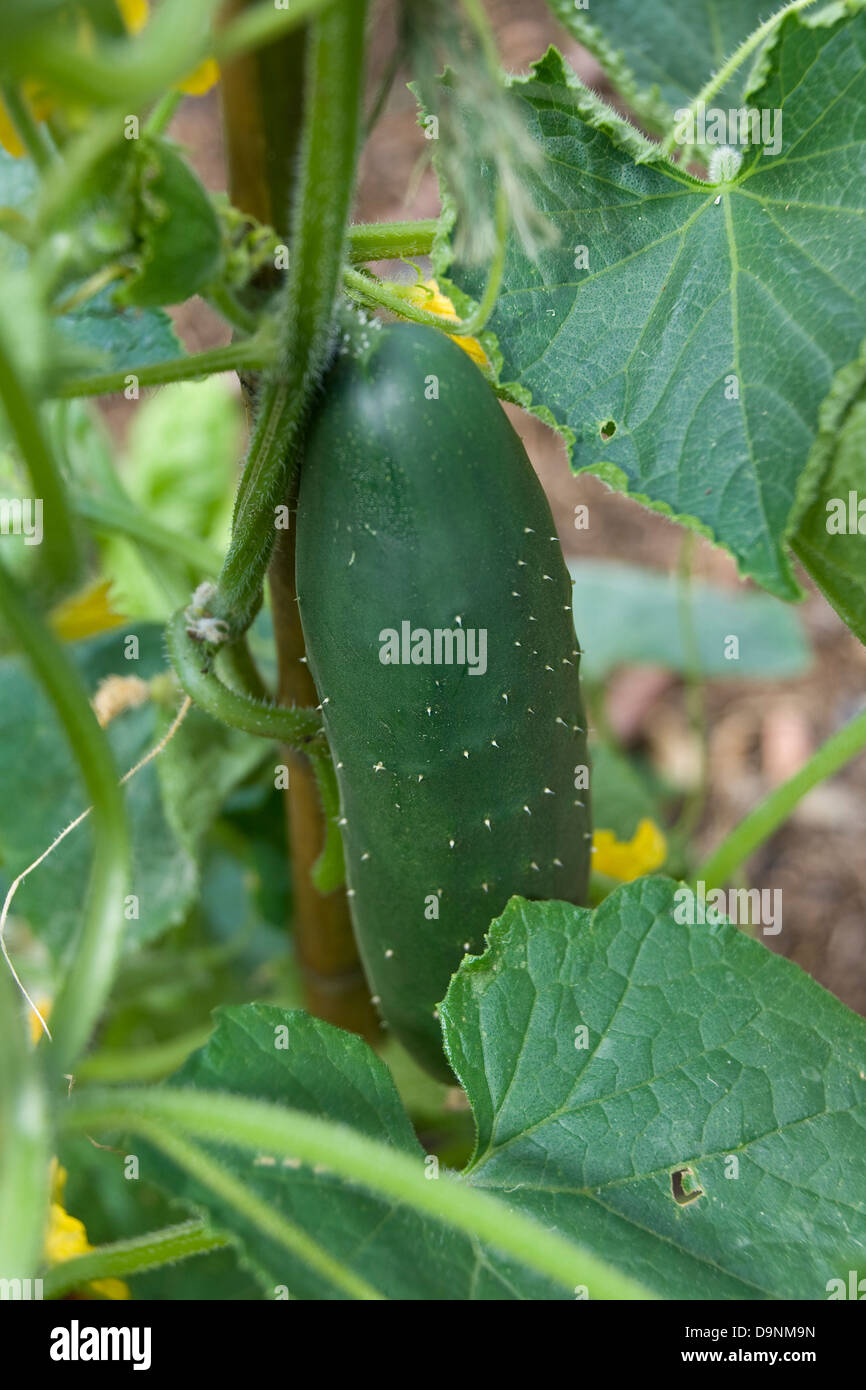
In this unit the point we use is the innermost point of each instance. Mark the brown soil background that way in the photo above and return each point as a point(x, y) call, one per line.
point(760, 732)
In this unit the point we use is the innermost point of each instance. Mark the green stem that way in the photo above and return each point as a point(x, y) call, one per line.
point(25, 1144)
point(111, 517)
point(254, 1209)
point(377, 295)
point(60, 552)
point(480, 23)
point(241, 669)
point(249, 354)
point(325, 190)
point(264, 24)
point(126, 1257)
point(142, 1063)
point(721, 78)
point(162, 113)
point(85, 987)
point(329, 871)
point(90, 287)
point(229, 306)
point(28, 130)
point(383, 241)
point(297, 727)
point(760, 824)
point(261, 1127)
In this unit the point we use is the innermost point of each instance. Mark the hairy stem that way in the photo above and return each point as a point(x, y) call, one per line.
point(324, 196)
point(125, 1257)
point(376, 295)
point(24, 1142)
point(259, 1213)
point(263, 118)
point(261, 1127)
point(249, 354)
point(295, 726)
point(721, 78)
point(382, 241)
point(59, 554)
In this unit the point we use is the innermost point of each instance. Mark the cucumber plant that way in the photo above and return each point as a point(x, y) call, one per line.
point(381, 650)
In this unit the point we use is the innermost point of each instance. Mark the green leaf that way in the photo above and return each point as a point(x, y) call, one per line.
point(672, 46)
point(626, 615)
point(695, 292)
point(36, 758)
point(704, 1052)
point(831, 534)
point(179, 232)
point(107, 338)
point(327, 1072)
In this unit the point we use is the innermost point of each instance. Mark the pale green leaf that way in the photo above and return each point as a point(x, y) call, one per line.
point(628, 615)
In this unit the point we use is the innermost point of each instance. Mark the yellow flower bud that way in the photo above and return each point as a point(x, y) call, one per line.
point(628, 859)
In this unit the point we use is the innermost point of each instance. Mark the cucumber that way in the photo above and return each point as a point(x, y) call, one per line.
point(418, 512)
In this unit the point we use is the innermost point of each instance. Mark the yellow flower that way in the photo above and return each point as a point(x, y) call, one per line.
point(85, 614)
point(429, 296)
point(628, 859)
point(201, 79)
point(135, 14)
point(66, 1237)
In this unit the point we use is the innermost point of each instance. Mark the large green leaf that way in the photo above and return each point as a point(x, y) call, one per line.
point(625, 614)
point(831, 535)
point(324, 1071)
point(670, 45)
point(37, 759)
point(754, 289)
point(704, 1051)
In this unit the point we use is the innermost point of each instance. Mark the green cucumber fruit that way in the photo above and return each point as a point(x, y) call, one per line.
point(418, 512)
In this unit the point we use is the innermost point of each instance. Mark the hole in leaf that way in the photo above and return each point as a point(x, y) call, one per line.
point(607, 429)
point(681, 1194)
